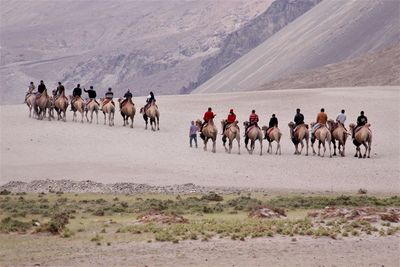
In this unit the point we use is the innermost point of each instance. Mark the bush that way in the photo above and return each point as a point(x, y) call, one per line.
point(11, 225)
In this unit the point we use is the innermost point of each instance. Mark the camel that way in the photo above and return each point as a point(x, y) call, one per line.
point(340, 134)
point(41, 104)
point(153, 114)
point(362, 137)
point(30, 99)
point(93, 106)
point(274, 134)
point(322, 134)
point(298, 136)
point(128, 110)
point(50, 107)
point(78, 106)
point(231, 132)
point(209, 131)
point(109, 109)
point(254, 134)
point(61, 106)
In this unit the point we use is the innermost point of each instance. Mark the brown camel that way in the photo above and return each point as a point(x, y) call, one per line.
point(153, 114)
point(274, 134)
point(362, 137)
point(61, 106)
point(41, 105)
point(78, 106)
point(254, 134)
point(322, 134)
point(128, 110)
point(209, 131)
point(30, 99)
point(109, 109)
point(298, 136)
point(231, 132)
point(340, 134)
point(92, 107)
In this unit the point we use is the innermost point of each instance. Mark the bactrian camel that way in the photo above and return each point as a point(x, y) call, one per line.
point(340, 134)
point(273, 134)
point(323, 135)
point(108, 108)
point(231, 132)
point(92, 107)
point(253, 134)
point(209, 131)
point(41, 104)
point(298, 136)
point(61, 106)
point(128, 110)
point(153, 114)
point(363, 136)
point(78, 106)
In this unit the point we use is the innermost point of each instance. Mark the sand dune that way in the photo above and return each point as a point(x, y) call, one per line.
point(32, 149)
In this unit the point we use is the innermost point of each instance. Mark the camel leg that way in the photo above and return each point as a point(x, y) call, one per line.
point(366, 149)
point(238, 141)
point(86, 112)
point(269, 150)
point(214, 145)
point(278, 147)
point(261, 146)
point(369, 149)
point(302, 146)
point(109, 119)
point(319, 147)
point(158, 123)
point(230, 146)
point(97, 117)
point(334, 147)
point(82, 117)
point(330, 151)
point(205, 144)
point(131, 121)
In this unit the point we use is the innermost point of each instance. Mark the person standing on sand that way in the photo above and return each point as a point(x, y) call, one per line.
point(193, 134)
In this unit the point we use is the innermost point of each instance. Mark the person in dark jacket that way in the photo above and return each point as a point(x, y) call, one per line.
point(109, 94)
point(298, 118)
point(128, 94)
point(60, 89)
point(273, 122)
point(41, 87)
point(76, 93)
point(150, 98)
point(91, 94)
point(361, 121)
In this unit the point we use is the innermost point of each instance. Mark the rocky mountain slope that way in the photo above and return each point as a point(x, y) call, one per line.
point(379, 68)
point(140, 45)
point(331, 32)
point(169, 47)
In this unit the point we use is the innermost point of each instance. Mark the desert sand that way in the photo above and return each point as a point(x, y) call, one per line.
point(32, 149)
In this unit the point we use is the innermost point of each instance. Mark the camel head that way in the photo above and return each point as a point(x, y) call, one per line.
point(352, 126)
point(312, 124)
point(119, 100)
point(198, 124)
point(291, 124)
point(245, 123)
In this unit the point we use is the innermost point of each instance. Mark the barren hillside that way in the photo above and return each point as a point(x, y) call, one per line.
point(331, 32)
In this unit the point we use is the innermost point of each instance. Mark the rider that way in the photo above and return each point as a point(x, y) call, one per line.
point(31, 90)
point(231, 119)
point(150, 98)
point(207, 117)
point(41, 87)
point(321, 120)
point(91, 93)
point(109, 96)
point(253, 120)
point(60, 89)
point(341, 117)
point(298, 120)
point(76, 93)
point(127, 96)
point(273, 122)
point(361, 121)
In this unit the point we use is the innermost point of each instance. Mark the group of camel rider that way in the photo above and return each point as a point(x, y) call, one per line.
point(321, 120)
point(77, 93)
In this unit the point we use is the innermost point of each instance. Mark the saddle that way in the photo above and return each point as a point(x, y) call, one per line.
point(299, 126)
point(107, 100)
point(124, 102)
point(250, 128)
point(358, 128)
point(38, 95)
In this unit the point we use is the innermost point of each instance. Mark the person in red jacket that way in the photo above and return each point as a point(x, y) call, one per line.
point(231, 119)
point(253, 120)
point(207, 117)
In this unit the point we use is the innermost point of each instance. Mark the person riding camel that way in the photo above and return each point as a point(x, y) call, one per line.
point(76, 93)
point(340, 119)
point(91, 94)
point(127, 97)
point(298, 120)
point(53, 96)
point(273, 122)
point(150, 99)
point(253, 121)
point(321, 120)
point(41, 88)
point(231, 119)
point(207, 117)
point(60, 89)
point(361, 121)
point(109, 95)
point(31, 90)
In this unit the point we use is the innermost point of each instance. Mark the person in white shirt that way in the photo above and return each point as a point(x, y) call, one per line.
point(341, 118)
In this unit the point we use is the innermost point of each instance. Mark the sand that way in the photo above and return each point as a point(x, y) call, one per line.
point(32, 149)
